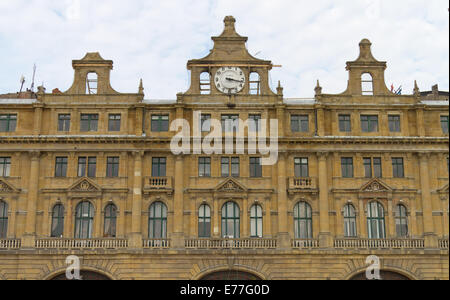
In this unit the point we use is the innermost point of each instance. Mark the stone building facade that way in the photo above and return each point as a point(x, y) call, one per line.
point(90, 172)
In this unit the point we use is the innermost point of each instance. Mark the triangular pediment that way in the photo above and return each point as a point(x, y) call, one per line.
point(375, 185)
point(230, 186)
point(6, 187)
point(85, 185)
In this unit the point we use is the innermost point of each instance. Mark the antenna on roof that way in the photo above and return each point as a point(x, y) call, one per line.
point(34, 74)
point(22, 81)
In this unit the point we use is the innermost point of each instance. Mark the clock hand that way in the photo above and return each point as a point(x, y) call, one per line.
point(232, 79)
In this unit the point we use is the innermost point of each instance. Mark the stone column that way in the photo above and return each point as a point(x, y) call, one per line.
point(216, 230)
point(362, 230)
point(267, 221)
point(383, 124)
point(283, 232)
point(33, 190)
point(431, 240)
point(420, 122)
point(178, 208)
point(391, 233)
point(325, 238)
point(37, 119)
point(136, 214)
point(245, 233)
point(413, 218)
point(320, 122)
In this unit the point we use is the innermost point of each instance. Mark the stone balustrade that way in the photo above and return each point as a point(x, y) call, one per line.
point(443, 243)
point(305, 244)
point(156, 244)
point(379, 243)
point(81, 243)
point(231, 243)
point(10, 244)
point(296, 183)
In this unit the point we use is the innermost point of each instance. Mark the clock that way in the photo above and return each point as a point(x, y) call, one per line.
point(229, 80)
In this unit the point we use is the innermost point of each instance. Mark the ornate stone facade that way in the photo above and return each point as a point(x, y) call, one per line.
point(309, 216)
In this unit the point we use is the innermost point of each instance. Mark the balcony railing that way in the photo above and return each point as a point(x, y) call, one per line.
point(231, 243)
point(10, 244)
point(81, 243)
point(158, 183)
point(156, 244)
point(379, 243)
point(305, 244)
point(296, 183)
point(443, 244)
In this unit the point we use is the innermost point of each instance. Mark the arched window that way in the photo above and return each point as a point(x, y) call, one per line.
point(157, 221)
point(3, 220)
point(375, 221)
point(303, 221)
point(204, 221)
point(401, 221)
point(205, 83)
point(92, 83)
point(350, 221)
point(84, 219)
point(367, 84)
point(230, 220)
point(256, 221)
point(255, 84)
point(57, 221)
point(110, 220)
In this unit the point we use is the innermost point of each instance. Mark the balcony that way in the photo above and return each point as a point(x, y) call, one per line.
point(231, 244)
point(443, 244)
point(81, 243)
point(158, 184)
point(379, 243)
point(10, 244)
point(297, 184)
point(156, 244)
point(305, 244)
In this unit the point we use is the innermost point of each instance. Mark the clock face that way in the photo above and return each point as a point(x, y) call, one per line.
point(230, 80)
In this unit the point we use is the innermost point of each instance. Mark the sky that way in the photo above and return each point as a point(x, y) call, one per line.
point(153, 40)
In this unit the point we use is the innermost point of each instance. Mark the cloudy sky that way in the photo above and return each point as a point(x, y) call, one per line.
point(153, 40)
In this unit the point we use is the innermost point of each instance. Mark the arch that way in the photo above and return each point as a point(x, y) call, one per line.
point(57, 226)
point(367, 84)
point(226, 269)
point(157, 220)
point(110, 220)
point(387, 273)
point(92, 83)
point(350, 221)
point(84, 219)
point(376, 222)
point(303, 221)
point(254, 83)
point(401, 220)
point(4, 215)
point(60, 274)
point(256, 221)
point(231, 220)
point(204, 221)
point(205, 83)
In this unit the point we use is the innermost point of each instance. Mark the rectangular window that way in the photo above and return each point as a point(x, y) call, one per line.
point(205, 123)
point(87, 165)
point(301, 167)
point(345, 123)
point(64, 122)
point(8, 123)
point(204, 167)
point(235, 167)
point(159, 166)
point(347, 167)
point(160, 123)
point(394, 123)
point(5, 166)
point(89, 123)
point(254, 123)
point(225, 167)
point(398, 168)
point(369, 123)
point(255, 167)
point(114, 123)
point(372, 167)
point(444, 124)
point(112, 167)
point(300, 123)
point(61, 167)
point(377, 168)
point(230, 167)
point(368, 167)
point(230, 123)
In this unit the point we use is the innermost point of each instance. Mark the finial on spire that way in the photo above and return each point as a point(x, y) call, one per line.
point(365, 51)
point(141, 87)
point(318, 89)
point(280, 89)
point(416, 89)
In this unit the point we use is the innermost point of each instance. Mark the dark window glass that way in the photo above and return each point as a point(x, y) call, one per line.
point(204, 167)
point(88, 164)
point(303, 221)
point(159, 167)
point(205, 123)
point(64, 122)
point(114, 123)
point(204, 221)
point(401, 221)
point(255, 167)
point(444, 124)
point(398, 168)
point(230, 221)
point(235, 167)
point(5, 166)
point(110, 221)
point(84, 219)
point(230, 123)
point(157, 221)
point(394, 124)
point(300, 123)
point(61, 167)
point(301, 167)
point(369, 123)
point(368, 167)
point(254, 123)
point(3, 219)
point(8, 123)
point(57, 221)
point(347, 167)
point(160, 123)
point(225, 167)
point(112, 167)
point(256, 221)
point(89, 123)
point(345, 123)
point(377, 168)
point(375, 221)
point(350, 221)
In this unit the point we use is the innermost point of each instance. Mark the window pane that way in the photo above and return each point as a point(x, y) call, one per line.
point(225, 167)
point(444, 124)
point(92, 165)
point(368, 167)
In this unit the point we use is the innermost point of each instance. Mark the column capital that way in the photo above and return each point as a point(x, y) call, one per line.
point(323, 155)
point(424, 155)
point(34, 154)
point(138, 154)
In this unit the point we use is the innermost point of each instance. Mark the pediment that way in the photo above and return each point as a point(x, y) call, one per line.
point(444, 189)
point(6, 187)
point(85, 185)
point(230, 186)
point(375, 185)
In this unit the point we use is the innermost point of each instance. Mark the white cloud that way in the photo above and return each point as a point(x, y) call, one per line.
point(153, 40)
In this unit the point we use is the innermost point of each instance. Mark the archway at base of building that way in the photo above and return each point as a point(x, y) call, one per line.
point(230, 275)
point(385, 275)
point(85, 275)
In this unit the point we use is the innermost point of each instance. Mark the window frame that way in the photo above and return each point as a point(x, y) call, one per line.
point(347, 162)
point(89, 166)
point(83, 220)
point(445, 121)
point(306, 220)
point(112, 166)
point(92, 122)
point(204, 221)
point(350, 221)
point(235, 220)
point(302, 122)
point(379, 231)
point(345, 125)
point(401, 221)
point(64, 121)
point(5, 167)
point(160, 122)
point(10, 122)
point(394, 123)
point(153, 219)
point(4, 218)
point(159, 167)
point(225, 123)
point(256, 221)
point(61, 165)
point(58, 217)
point(398, 164)
point(110, 221)
point(299, 167)
point(256, 170)
point(370, 120)
point(114, 122)
point(204, 167)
